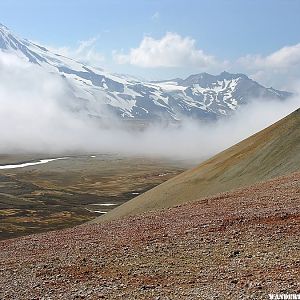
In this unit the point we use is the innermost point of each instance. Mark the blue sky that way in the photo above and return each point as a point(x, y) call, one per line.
point(239, 35)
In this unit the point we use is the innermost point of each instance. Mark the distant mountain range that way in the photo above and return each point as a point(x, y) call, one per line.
point(98, 92)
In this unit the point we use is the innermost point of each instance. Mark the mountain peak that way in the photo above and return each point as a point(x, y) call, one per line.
point(205, 80)
point(4, 37)
point(203, 95)
point(227, 75)
point(3, 28)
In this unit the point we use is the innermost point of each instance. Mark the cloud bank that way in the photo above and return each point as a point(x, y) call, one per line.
point(36, 116)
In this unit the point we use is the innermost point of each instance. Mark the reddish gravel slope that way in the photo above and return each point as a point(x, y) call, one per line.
point(237, 245)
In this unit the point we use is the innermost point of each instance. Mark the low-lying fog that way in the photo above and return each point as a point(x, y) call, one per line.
point(35, 118)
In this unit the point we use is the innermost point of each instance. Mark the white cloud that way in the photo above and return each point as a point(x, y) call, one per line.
point(280, 68)
point(282, 59)
point(86, 52)
point(155, 16)
point(172, 50)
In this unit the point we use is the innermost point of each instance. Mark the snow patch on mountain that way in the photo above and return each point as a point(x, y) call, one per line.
point(97, 92)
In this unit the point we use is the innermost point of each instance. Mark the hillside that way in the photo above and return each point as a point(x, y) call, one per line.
point(272, 152)
point(237, 245)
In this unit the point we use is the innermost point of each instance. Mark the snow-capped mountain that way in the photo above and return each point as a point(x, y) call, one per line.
point(98, 92)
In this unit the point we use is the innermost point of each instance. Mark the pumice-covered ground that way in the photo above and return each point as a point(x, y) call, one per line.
point(242, 244)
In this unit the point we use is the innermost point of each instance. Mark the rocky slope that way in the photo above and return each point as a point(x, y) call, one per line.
point(99, 93)
point(238, 245)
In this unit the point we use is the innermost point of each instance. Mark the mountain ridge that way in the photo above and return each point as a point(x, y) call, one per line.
point(200, 96)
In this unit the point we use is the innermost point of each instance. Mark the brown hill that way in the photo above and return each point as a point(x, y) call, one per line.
point(271, 152)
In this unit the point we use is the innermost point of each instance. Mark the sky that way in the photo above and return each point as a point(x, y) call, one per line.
point(152, 39)
point(160, 39)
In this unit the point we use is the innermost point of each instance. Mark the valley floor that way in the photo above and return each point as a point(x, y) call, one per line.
point(243, 244)
point(68, 192)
